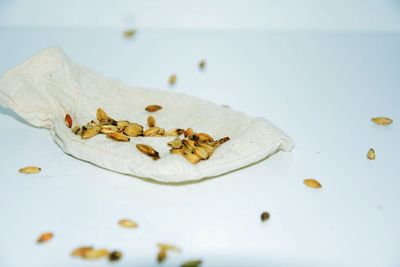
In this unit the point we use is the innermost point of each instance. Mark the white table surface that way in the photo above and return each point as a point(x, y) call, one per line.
point(321, 88)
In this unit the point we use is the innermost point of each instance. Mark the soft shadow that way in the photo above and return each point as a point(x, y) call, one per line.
point(11, 113)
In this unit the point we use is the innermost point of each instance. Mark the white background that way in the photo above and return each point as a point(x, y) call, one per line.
point(319, 70)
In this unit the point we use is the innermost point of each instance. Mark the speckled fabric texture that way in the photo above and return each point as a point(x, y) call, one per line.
point(49, 85)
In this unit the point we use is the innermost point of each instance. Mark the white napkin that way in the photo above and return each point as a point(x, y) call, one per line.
point(47, 86)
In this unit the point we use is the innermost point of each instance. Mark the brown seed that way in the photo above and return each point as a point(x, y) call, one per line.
point(161, 256)
point(168, 247)
point(115, 256)
point(172, 79)
point(81, 251)
point(127, 223)
point(95, 254)
point(151, 121)
point(371, 154)
point(76, 129)
point(119, 137)
point(382, 120)
point(264, 216)
point(161, 132)
point(176, 143)
point(312, 183)
point(133, 129)
point(203, 137)
point(45, 237)
point(68, 120)
point(192, 263)
point(151, 132)
point(30, 170)
point(90, 132)
point(148, 150)
point(101, 116)
point(130, 33)
point(202, 64)
point(188, 132)
point(153, 108)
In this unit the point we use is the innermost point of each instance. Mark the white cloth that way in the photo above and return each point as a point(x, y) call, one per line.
point(49, 85)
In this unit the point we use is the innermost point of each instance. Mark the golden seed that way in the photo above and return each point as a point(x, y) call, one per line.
point(172, 79)
point(264, 216)
point(188, 132)
point(168, 247)
point(127, 223)
point(153, 108)
point(95, 254)
point(45, 237)
point(203, 137)
point(176, 151)
point(68, 120)
point(122, 124)
point(200, 152)
point(382, 120)
point(371, 154)
point(129, 33)
point(90, 132)
point(30, 170)
point(76, 129)
point(192, 263)
point(312, 183)
point(161, 132)
point(176, 143)
point(148, 150)
point(161, 256)
point(133, 129)
point(151, 121)
point(119, 137)
point(209, 149)
point(101, 116)
point(193, 158)
point(202, 64)
point(115, 256)
point(151, 132)
point(81, 251)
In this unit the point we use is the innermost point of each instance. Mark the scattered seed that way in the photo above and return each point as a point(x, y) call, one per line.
point(153, 108)
point(101, 116)
point(264, 216)
point(90, 132)
point(151, 132)
point(312, 183)
point(81, 251)
point(121, 125)
point(127, 223)
point(174, 132)
point(133, 129)
point(115, 256)
point(119, 137)
point(68, 120)
point(192, 263)
point(382, 120)
point(95, 254)
point(30, 170)
point(161, 256)
point(130, 33)
point(45, 237)
point(371, 154)
point(202, 64)
point(151, 121)
point(148, 150)
point(172, 79)
point(168, 247)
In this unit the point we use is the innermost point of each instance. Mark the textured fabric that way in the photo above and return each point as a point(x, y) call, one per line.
point(49, 85)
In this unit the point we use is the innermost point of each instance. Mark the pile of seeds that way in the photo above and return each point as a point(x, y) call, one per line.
point(194, 147)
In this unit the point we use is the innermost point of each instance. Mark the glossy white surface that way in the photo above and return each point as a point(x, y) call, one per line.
point(325, 87)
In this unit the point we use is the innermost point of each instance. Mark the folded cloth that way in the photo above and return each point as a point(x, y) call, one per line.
point(48, 86)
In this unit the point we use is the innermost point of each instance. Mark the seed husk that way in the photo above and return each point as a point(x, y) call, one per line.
point(161, 256)
point(192, 263)
point(30, 170)
point(148, 150)
point(193, 158)
point(68, 120)
point(172, 79)
point(95, 254)
point(81, 251)
point(312, 183)
point(200, 152)
point(203, 137)
point(115, 256)
point(133, 129)
point(121, 125)
point(177, 151)
point(119, 137)
point(45, 237)
point(76, 129)
point(151, 121)
point(168, 247)
point(202, 64)
point(264, 216)
point(129, 33)
point(153, 108)
point(174, 132)
point(189, 145)
point(382, 120)
point(176, 143)
point(108, 128)
point(371, 154)
point(209, 149)
point(151, 132)
point(90, 132)
point(101, 116)
point(127, 223)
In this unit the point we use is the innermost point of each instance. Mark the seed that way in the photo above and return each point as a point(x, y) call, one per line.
point(107, 128)
point(45, 237)
point(127, 223)
point(148, 150)
point(81, 251)
point(192, 263)
point(95, 254)
point(209, 149)
point(161, 132)
point(188, 132)
point(264, 216)
point(119, 137)
point(153, 131)
point(76, 129)
point(174, 132)
point(312, 183)
point(202, 64)
point(153, 108)
point(161, 256)
point(129, 33)
point(371, 154)
point(151, 121)
point(133, 129)
point(30, 170)
point(122, 124)
point(202, 153)
point(101, 116)
point(172, 79)
point(203, 137)
point(90, 132)
point(382, 120)
point(189, 145)
point(219, 142)
point(168, 247)
point(115, 256)
point(176, 151)
point(176, 143)
point(68, 120)
point(193, 158)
